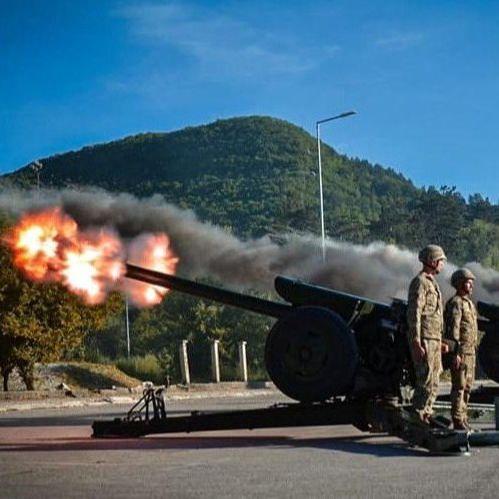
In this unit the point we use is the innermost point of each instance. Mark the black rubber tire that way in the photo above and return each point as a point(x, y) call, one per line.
point(488, 355)
point(311, 355)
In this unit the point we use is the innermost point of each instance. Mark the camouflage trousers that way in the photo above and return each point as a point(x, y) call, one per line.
point(462, 382)
point(427, 373)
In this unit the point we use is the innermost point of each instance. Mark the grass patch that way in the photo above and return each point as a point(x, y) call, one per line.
point(93, 376)
point(146, 368)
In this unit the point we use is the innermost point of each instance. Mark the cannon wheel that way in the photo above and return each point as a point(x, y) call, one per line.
point(311, 355)
point(488, 355)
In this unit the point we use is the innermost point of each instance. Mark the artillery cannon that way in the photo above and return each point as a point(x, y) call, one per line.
point(318, 343)
point(343, 357)
point(327, 343)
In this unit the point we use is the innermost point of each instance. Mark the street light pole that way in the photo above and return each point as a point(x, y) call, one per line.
point(127, 328)
point(321, 194)
point(37, 166)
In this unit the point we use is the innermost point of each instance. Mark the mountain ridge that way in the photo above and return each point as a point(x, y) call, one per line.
point(257, 174)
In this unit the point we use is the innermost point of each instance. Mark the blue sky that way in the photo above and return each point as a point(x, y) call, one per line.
point(423, 76)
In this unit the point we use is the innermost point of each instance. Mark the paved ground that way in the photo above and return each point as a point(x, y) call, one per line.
point(49, 453)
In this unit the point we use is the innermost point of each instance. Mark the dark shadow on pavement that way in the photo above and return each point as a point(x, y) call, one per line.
point(358, 444)
point(63, 420)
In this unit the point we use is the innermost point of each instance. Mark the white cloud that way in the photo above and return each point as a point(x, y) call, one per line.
point(400, 41)
point(221, 44)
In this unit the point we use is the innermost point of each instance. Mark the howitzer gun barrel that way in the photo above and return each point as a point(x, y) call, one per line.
point(239, 300)
point(301, 294)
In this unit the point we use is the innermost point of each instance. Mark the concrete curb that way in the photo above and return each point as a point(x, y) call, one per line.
point(21, 401)
point(25, 401)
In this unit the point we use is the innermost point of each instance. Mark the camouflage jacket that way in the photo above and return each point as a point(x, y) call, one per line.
point(424, 309)
point(461, 323)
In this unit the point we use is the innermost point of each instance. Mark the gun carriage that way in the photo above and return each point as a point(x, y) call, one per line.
point(342, 357)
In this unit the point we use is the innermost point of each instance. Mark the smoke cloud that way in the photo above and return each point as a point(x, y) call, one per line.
point(378, 271)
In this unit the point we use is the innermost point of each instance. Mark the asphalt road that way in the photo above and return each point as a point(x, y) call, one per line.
point(49, 453)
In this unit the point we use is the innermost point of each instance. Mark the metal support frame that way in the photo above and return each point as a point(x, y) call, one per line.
point(277, 416)
point(150, 407)
point(149, 416)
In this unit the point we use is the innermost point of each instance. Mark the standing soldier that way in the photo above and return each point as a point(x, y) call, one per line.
point(425, 327)
point(461, 326)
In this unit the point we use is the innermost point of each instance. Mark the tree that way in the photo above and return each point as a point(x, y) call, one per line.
point(40, 322)
point(160, 330)
point(481, 208)
point(482, 243)
point(437, 216)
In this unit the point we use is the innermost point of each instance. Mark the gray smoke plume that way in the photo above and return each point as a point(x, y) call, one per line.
point(378, 271)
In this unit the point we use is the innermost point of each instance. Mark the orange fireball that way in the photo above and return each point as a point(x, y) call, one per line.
point(35, 242)
point(93, 265)
point(151, 251)
point(48, 246)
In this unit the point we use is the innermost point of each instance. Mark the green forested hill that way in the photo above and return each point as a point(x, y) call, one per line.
point(254, 175)
point(257, 175)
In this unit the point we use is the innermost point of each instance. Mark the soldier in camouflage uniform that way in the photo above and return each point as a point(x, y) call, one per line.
point(461, 326)
point(425, 328)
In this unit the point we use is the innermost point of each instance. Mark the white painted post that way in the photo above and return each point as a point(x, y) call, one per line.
point(184, 363)
point(243, 365)
point(215, 362)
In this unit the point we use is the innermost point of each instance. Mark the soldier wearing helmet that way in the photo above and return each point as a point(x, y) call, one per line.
point(461, 326)
point(425, 327)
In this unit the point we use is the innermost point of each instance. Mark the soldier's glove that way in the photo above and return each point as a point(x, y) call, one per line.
point(418, 350)
point(452, 346)
point(448, 357)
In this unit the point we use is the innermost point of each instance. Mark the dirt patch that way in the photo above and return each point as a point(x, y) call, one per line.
point(77, 375)
point(93, 376)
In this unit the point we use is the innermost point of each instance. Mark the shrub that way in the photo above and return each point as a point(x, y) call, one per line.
point(145, 368)
point(94, 356)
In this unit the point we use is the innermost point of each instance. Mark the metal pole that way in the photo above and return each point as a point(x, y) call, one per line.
point(321, 194)
point(317, 125)
point(37, 166)
point(127, 328)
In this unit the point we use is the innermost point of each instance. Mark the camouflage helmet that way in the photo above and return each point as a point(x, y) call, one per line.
point(460, 276)
point(431, 253)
